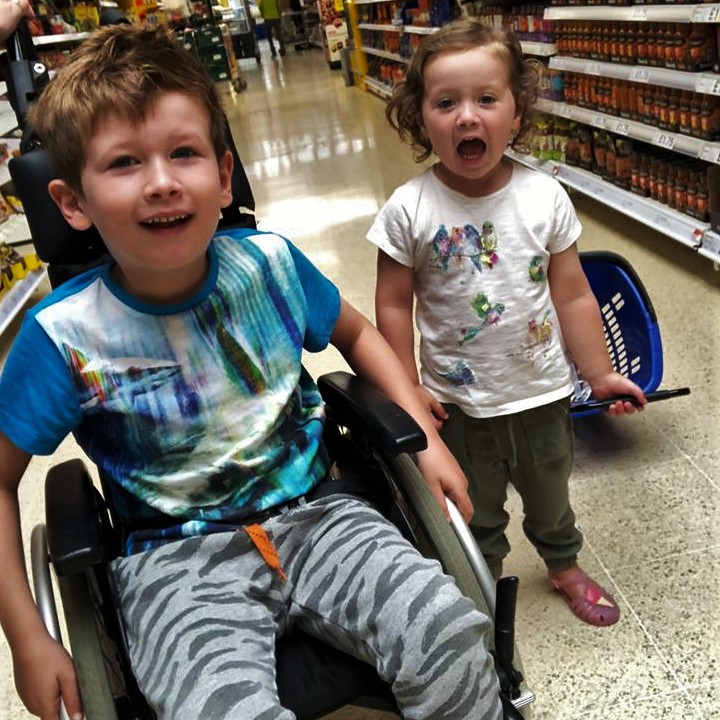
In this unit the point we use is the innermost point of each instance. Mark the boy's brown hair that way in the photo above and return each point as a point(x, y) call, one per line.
point(404, 110)
point(119, 70)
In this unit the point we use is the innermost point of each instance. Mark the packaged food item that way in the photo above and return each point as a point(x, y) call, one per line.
point(623, 162)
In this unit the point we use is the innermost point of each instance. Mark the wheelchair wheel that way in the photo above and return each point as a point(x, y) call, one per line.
point(89, 655)
point(435, 534)
point(436, 538)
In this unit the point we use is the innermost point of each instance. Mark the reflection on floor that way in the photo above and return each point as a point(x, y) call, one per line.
point(646, 490)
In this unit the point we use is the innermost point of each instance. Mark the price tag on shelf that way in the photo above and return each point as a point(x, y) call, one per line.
point(660, 219)
point(639, 74)
point(706, 13)
point(563, 110)
point(710, 153)
point(708, 85)
point(664, 140)
point(622, 128)
point(638, 13)
point(599, 121)
point(592, 68)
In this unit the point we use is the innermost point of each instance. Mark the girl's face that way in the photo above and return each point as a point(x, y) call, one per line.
point(469, 116)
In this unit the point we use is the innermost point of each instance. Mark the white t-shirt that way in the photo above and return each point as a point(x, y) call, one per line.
point(490, 340)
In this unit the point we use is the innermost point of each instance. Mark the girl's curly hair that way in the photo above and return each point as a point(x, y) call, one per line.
point(404, 110)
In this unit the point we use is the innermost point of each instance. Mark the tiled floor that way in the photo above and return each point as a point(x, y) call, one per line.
point(646, 489)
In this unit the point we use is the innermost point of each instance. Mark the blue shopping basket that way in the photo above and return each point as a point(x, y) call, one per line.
point(630, 325)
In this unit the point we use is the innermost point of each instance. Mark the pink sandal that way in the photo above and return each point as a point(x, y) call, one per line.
point(595, 606)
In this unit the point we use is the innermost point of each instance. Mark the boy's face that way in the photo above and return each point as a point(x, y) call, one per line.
point(154, 192)
point(469, 116)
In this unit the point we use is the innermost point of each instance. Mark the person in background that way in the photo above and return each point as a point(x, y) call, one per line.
point(489, 250)
point(270, 11)
point(11, 11)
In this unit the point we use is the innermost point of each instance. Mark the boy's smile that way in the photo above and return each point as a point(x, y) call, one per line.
point(154, 191)
point(469, 116)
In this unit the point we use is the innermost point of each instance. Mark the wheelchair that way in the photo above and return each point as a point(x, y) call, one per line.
point(371, 441)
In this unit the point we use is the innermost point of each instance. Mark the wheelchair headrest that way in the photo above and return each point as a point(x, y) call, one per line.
point(55, 241)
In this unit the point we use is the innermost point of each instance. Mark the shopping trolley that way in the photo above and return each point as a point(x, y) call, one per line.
point(630, 325)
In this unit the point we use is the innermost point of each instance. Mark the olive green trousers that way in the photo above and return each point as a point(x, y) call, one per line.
point(532, 450)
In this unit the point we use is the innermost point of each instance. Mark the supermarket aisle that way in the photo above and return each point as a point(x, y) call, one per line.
point(646, 489)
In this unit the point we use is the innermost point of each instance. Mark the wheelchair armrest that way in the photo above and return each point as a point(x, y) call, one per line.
point(74, 515)
point(358, 405)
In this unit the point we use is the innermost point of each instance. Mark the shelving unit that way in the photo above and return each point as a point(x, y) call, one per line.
point(693, 147)
point(701, 82)
point(680, 227)
point(15, 298)
point(704, 13)
point(384, 54)
point(14, 230)
point(63, 39)
point(676, 225)
point(538, 49)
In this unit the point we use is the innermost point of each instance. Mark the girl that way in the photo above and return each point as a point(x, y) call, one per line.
point(489, 250)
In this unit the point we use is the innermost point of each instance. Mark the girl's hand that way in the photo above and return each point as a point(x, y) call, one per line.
point(445, 478)
point(614, 383)
point(433, 406)
point(45, 676)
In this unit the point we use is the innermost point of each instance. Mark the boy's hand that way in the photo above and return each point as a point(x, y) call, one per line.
point(45, 675)
point(445, 478)
point(614, 383)
point(434, 407)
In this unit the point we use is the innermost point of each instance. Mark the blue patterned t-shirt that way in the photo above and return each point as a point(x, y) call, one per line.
point(201, 411)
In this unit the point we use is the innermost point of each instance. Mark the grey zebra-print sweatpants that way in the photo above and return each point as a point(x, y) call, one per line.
point(202, 616)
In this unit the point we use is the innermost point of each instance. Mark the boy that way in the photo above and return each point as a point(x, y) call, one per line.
point(178, 369)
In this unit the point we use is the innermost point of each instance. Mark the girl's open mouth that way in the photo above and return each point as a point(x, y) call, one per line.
point(471, 149)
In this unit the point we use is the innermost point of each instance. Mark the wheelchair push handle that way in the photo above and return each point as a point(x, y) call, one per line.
point(505, 608)
point(26, 76)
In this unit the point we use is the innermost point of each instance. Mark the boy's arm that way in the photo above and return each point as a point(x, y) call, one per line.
point(582, 330)
point(394, 295)
point(44, 671)
point(371, 358)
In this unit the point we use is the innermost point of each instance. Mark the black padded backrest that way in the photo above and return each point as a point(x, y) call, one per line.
point(68, 251)
point(55, 241)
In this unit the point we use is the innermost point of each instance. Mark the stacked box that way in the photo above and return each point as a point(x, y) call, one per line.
point(210, 47)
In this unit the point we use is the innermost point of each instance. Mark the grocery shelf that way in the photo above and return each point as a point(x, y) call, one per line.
point(707, 83)
point(60, 39)
point(8, 119)
point(538, 49)
point(415, 29)
point(704, 13)
point(420, 29)
point(678, 226)
point(702, 149)
point(15, 230)
point(15, 298)
point(377, 87)
point(384, 54)
point(383, 28)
